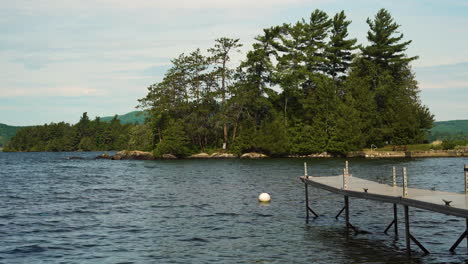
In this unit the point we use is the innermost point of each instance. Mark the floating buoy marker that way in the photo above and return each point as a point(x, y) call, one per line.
point(264, 198)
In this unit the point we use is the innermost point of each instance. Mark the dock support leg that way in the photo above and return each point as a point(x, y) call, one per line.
point(407, 231)
point(395, 219)
point(410, 237)
point(346, 200)
point(341, 211)
point(308, 209)
point(465, 234)
point(346, 208)
point(394, 222)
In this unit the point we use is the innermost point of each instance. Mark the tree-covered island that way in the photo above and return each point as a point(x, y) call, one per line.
point(303, 88)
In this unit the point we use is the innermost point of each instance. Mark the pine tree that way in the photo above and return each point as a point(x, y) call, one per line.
point(221, 56)
point(385, 47)
point(339, 51)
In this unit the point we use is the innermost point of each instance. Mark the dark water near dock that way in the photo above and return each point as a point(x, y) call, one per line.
point(54, 210)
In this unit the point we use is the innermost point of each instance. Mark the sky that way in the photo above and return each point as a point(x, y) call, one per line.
point(60, 58)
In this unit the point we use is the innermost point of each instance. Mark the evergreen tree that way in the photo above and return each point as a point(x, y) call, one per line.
point(220, 55)
point(385, 47)
point(339, 51)
point(384, 65)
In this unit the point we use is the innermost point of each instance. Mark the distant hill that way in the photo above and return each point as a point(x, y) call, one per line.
point(449, 130)
point(137, 117)
point(7, 132)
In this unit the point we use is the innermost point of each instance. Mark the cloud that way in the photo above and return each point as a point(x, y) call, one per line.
point(445, 76)
point(66, 91)
point(443, 84)
point(114, 49)
point(45, 5)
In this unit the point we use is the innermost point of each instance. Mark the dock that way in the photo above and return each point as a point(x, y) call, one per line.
point(449, 203)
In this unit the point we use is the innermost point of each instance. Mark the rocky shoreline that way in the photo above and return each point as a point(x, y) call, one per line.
point(142, 155)
point(408, 154)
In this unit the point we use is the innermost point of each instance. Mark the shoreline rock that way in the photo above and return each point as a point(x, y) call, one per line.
point(104, 156)
point(253, 155)
point(201, 155)
point(133, 155)
point(314, 155)
point(217, 155)
point(168, 156)
point(407, 154)
point(142, 155)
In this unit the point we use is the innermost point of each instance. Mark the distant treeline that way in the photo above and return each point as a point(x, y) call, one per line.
point(86, 135)
point(303, 88)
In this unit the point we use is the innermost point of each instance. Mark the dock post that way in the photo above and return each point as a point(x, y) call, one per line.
point(410, 237)
point(345, 179)
point(405, 183)
point(407, 231)
point(466, 178)
point(307, 202)
point(395, 219)
point(346, 167)
point(308, 209)
point(395, 209)
point(394, 222)
point(305, 170)
point(346, 211)
point(464, 235)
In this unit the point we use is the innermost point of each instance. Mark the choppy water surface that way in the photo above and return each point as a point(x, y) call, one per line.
point(54, 210)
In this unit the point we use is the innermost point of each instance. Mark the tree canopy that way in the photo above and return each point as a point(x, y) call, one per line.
point(302, 88)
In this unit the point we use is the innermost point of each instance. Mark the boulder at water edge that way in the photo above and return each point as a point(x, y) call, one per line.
point(253, 155)
point(133, 155)
point(168, 156)
point(200, 156)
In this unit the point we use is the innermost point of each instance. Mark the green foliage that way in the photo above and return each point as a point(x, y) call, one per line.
point(174, 141)
point(449, 130)
point(455, 144)
point(141, 138)
point(414, 147)
point(301, 89)
point(339, 49)
point(86, 135)
point(448, 145)
point(6, 133)
point(385, 47)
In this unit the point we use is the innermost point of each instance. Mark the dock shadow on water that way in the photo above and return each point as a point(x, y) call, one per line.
point(207, 211)
point(348, 247)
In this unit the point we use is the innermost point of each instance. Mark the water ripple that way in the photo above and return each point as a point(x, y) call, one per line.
point(59, 210)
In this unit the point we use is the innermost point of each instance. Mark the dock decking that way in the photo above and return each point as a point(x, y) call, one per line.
point(425, 199)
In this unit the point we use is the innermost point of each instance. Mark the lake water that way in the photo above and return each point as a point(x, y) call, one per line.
point(54, 210)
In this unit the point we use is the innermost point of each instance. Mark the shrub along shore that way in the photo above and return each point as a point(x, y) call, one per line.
point(141, 155)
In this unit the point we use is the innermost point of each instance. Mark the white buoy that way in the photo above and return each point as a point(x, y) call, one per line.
point(264, 197)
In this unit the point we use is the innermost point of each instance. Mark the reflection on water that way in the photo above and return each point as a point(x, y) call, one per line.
point(54, 210)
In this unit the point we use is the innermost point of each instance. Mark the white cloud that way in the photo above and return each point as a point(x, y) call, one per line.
point(67, 91)
point(443, 84)
point(45, 5)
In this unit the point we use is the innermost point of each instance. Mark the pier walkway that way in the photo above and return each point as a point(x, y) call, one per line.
point(448, 203)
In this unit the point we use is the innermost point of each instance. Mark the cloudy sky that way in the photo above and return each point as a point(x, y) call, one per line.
point(60, 58)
